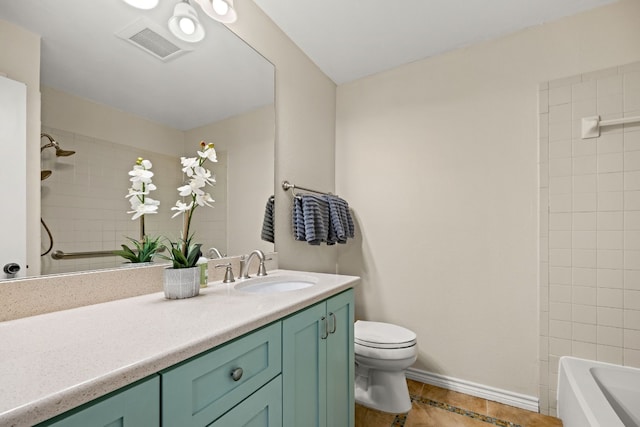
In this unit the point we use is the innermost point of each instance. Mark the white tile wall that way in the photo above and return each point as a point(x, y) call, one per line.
point(590, 244)
point(84, 204)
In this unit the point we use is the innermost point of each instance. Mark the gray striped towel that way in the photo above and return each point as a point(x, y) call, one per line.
point(321, 218)
point(267, 223)
point(341, 226)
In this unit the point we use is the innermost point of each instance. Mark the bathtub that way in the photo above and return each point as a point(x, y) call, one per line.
point(597, 394)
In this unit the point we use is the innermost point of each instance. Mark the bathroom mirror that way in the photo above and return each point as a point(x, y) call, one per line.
point(110, 101)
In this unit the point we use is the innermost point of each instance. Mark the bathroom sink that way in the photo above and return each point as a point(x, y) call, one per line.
point(275, 284)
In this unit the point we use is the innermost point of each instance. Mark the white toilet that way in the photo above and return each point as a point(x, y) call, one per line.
point(383, 351)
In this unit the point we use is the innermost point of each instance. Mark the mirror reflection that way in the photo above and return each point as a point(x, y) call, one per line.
point(106, 102)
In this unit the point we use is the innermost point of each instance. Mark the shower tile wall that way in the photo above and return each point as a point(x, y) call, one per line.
point(84, 204)
point(589, 224)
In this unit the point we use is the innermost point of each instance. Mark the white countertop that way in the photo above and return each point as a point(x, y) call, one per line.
point(57, 361)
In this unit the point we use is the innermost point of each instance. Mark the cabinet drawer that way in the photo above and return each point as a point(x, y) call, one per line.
point(201, 390)
point(261, 409)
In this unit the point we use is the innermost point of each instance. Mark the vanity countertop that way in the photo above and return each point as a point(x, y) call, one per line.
point(54, 362)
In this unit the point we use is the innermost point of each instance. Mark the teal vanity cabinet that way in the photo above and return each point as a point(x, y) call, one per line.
point(137, 405)
point(318, 364)
point(201, 390)
point(295, 372)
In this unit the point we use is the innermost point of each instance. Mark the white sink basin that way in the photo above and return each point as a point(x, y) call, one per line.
point(275, 284)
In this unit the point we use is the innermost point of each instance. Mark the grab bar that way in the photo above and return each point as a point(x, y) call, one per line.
point(74, 255)
point(90, 254)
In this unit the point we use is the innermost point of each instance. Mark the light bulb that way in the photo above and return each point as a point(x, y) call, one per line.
point(220, 6)
point(184, 23)
point(220, 10)
point(187, 25)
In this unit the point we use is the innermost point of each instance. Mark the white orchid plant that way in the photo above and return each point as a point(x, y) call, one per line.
point(183, 253)
point(141, 205)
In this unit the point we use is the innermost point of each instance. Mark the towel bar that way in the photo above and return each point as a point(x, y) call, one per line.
point(286, 185)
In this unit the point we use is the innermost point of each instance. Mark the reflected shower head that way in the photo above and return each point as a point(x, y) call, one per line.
point(64, 153)
point(52, 143)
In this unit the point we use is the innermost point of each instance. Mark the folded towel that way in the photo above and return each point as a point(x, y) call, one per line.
point(341, 222)
point(321, 218)
point(267, 223)
point(316, 218)
point(298, 220)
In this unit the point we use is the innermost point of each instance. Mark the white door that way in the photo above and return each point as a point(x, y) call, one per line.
point(13, 170)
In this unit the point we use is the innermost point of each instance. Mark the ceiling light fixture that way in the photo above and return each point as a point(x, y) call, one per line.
point(184, 23)
point(220, 10)
point(142, 4)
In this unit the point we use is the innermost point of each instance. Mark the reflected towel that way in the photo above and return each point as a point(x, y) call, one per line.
point(267, 223)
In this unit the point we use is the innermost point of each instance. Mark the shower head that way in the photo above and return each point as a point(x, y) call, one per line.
point(64, 153)
point(53, 143)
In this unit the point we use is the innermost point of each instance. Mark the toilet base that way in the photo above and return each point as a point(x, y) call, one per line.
point(384, 391)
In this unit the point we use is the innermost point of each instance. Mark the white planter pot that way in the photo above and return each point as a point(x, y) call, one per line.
point(181, 283)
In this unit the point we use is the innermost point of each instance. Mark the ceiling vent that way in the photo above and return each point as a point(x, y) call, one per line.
point(153, 39)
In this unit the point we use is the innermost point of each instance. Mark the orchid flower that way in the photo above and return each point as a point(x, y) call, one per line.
point(141, 186)
point(181, 208)
point(141, 205)
point(198, 177)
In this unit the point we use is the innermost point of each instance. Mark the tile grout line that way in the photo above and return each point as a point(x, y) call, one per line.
point(400, 419)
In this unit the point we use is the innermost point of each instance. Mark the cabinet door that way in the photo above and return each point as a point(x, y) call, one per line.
point(304, 385)
point(261, 409)
point(340, 360)
point(136, 406)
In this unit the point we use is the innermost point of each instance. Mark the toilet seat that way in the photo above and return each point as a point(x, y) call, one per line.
point(383, 335)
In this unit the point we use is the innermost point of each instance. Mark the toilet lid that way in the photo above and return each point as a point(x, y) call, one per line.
point(383, 335)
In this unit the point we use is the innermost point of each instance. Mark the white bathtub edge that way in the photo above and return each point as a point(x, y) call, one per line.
point(522, 401)
point(596, 410)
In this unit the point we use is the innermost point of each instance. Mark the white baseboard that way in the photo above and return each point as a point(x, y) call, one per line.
point(530, 403)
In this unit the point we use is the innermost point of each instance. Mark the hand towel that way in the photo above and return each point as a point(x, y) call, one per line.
point(316, 218)
point(267, 223)
point(341, 222)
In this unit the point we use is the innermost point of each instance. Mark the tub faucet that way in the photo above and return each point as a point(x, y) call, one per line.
point(245, 260)
point(216, 252)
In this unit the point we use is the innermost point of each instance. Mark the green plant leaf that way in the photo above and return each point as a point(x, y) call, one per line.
point(144, 251)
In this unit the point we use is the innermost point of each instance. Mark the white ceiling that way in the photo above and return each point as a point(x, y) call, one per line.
point(222, 77)
point(350, 39)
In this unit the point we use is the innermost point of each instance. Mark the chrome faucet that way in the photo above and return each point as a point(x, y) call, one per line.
point(245, 260)
point(215, 251)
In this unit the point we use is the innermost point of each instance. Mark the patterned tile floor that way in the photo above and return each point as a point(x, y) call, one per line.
point(438, 407)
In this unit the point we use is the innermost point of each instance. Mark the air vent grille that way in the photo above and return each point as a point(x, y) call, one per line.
point(153, 39)
point(154, 43)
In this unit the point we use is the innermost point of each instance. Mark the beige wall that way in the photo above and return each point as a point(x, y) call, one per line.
point(305, 131)
point(62, 110)
point(438, 159)
point(249, 175)
point(20, 60)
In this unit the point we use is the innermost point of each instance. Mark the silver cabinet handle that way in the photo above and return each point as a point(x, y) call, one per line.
point(325, 327)
point(334, 322)
point(236, 374)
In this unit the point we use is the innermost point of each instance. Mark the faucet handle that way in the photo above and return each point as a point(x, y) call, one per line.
point(262, 271)
point(228, 274)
